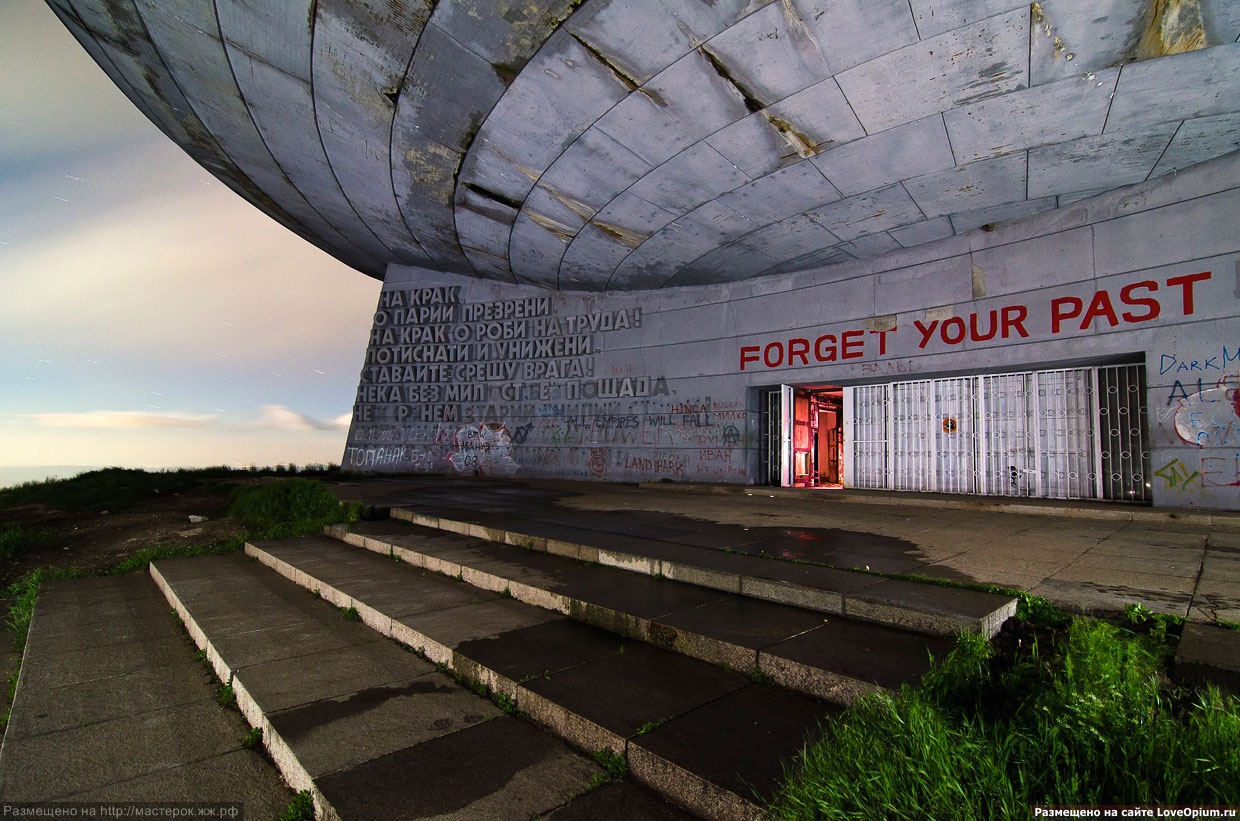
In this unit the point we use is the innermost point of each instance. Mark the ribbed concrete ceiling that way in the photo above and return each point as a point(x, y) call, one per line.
point(639, 144)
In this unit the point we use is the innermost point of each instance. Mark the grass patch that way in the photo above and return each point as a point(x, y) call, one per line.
point(616, 765)
point(301, 808)
point(253, 739)
point(1085, 716)
point(18, 539)
point(290, 507)
point(350, 614)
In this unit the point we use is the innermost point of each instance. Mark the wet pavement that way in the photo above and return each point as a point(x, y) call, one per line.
point(1083, 556)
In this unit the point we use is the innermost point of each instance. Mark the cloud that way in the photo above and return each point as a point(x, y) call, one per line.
point(282, 418)
point(122, 419)
point(273, 417)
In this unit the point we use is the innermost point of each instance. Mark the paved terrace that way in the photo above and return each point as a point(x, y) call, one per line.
point(1084, 556)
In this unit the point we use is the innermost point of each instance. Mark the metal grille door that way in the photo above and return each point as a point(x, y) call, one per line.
point(1068, 434)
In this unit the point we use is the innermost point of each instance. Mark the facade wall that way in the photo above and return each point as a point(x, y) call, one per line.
point(469, 376)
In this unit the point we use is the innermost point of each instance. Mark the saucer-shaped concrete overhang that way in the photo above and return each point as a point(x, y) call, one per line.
point(640, 144)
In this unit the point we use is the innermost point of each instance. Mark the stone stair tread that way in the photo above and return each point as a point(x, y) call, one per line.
point(501, 769)
point(863, 651)
point(541, 649)
point(625, 692)
point(740, 742)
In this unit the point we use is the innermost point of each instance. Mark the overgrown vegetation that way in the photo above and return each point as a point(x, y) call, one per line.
point(291, 507)
point(1080, 716)
point(301, 808)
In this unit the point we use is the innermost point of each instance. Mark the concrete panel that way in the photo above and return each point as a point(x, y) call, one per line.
point(737, 260)
point(591, 258)
point(695, 176)
point(633, 214)
point(360, 56)
point(1199, 140)
point(988, 217)
point(871, 245)
point(869, 213)
point(563, 91)
point(781, 195)
point(791, 238)
point(538, 244)
point(638, 37)
point(1222, 21)
point(1179, 87)
point(922, 232)
point(816, 119)
point(1191, 230)
point(1071, 39)
point(851, 32)
point(983, 184)
point(879, 160)
point(505, 37)
point(955, 68)
point(594, 170)
point(935, 18)
point(1010, 269)
point(283, 110)
point(944, 282)
point(198, 61)
point(754, 146)
point(770, 55)
point(683, 104)
point(1052, 113)
point(1107, 161)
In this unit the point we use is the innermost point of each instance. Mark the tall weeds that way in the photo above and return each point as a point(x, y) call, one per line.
point(1091, 720)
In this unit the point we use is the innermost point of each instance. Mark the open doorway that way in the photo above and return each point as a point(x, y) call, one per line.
point(804, 433)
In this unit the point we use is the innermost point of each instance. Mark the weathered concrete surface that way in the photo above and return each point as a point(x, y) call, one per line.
point(1085, 557)
point(1209, 654)
point(340, 706)
point(113, 706)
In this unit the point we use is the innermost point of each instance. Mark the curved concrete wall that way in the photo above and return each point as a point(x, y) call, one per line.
point(479, 377)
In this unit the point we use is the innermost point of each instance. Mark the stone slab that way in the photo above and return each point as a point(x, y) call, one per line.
point(931, 608)
point(503, 768)
point(619, 800)
point(626, 691)
point(336, 733)
point(541, 649)
point(735, 747)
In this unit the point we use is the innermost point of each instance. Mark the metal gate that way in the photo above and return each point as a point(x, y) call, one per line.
point(1067, 434)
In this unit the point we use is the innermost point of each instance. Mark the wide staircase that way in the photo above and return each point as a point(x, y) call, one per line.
point(612, 676)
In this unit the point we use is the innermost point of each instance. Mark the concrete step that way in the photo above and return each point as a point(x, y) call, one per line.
point(712, 740)
point(834, 658)
point(370, 729)
point(734, 559)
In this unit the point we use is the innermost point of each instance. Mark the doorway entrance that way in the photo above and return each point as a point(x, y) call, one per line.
point(804, 433)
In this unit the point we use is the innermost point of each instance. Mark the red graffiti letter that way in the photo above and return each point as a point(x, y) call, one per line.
point(797, 349)
point(853, 344)
point(1186, 283)
point(882, 340)
point(1100, 305)
point(1014, 317)
point(926, 333)
point(1057, 316)
point(749, 353)
point(957, 333)
point(779, 354)
point(824, 348)
point(1152, 308)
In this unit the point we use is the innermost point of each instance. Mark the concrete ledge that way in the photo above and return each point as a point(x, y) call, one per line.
point(689, 790)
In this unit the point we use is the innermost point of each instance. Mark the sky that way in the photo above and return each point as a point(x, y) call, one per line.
point(149, 317)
